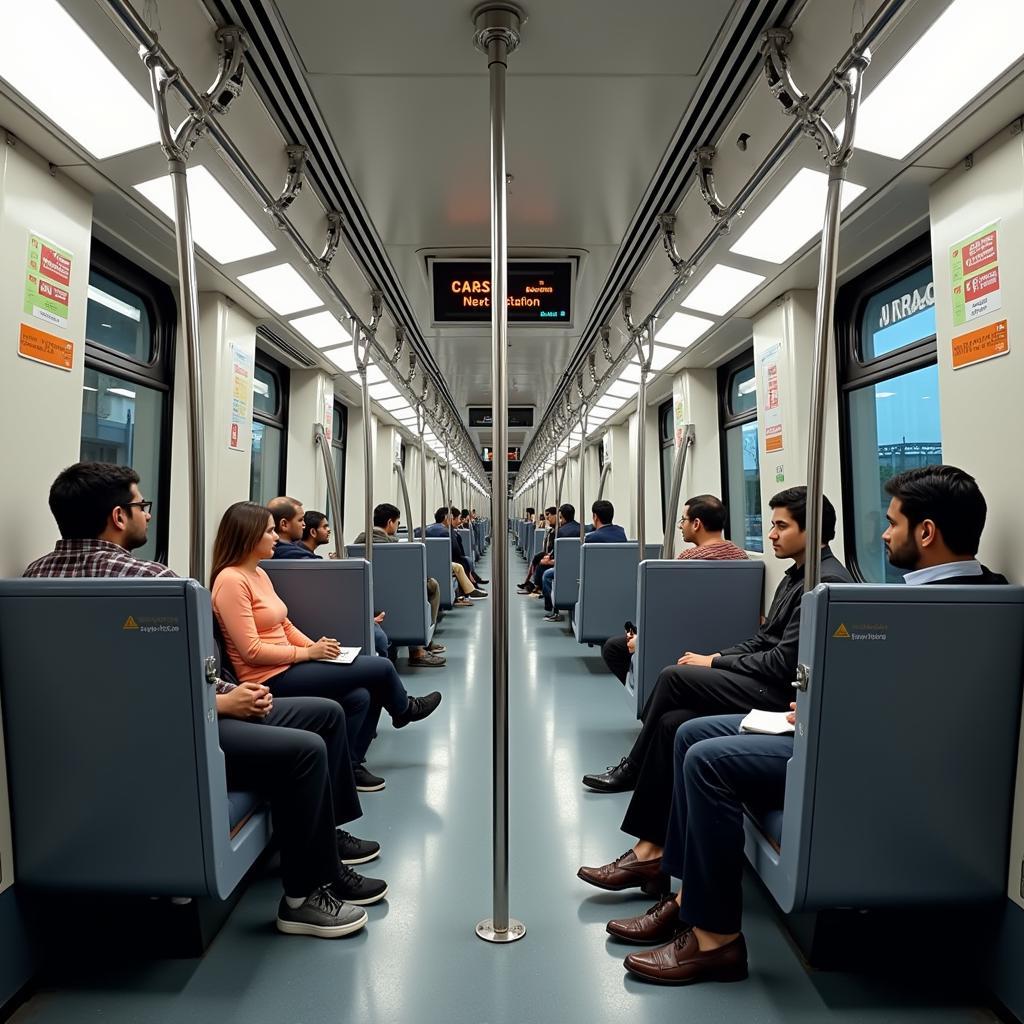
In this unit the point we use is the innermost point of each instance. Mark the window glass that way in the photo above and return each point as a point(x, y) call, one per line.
point(743, 486)
point(742, 391)
point(266, 396)
point(894, 425)
point(899, 315)
point(121, 424)
point(117, 319)
point(339, 426)
point(265, 475)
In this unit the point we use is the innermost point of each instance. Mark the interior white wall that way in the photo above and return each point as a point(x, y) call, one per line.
point(309, 392)
point(620, 488)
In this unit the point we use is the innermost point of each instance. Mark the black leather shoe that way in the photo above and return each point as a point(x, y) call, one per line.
point(619, 779)
point(417, 710)
point(481, 581)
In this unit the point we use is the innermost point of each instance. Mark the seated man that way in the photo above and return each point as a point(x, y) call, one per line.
point(605, 531)
point(289, 518)
point(385, 525)
point(458, 551)
point(568, 528)
point(704, 519)
point(532, 583)
point(441, 527)
point(757, 673)
point(293, 750)
point(935, 517)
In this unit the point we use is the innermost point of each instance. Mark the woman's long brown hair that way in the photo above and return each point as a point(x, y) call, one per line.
point(240, 530)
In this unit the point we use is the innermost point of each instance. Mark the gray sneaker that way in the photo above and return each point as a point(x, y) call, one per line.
point(322, 915)
point(427, 658)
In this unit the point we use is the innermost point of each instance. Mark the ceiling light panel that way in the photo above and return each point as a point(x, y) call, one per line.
point(321, 329)
point(622, 389)
point(282, 288)
point(683, 329)
point(792, 218)
point(219, 224)
point(384, 390)
point(393, 405)
point(75, 84)
point(343, 357)
point(374, 375)
point(966, 49)
point(722, 289)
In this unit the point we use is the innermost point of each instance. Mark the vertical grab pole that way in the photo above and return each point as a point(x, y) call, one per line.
point(400, 470)
point(678, 469)
point(497, 33)
point(641, 431)
point(421, 424)
point(362, 361)
point(582, 466)
point(320, 439)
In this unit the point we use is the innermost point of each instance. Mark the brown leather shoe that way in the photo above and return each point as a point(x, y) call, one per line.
point(626, 872)
point(680, 962)
point(657, 924)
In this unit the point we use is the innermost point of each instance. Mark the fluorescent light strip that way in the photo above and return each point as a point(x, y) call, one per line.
point(282, 288)
point(374, 375)
point(321, 329)
point(622, 389)
point(683, 329)
point(964, 50)
point(393, 405)
point(54, 64)
point(792, 218)
point(219, 224)
point(722, 288)
point(383, 390)
point(343, 357)
point(117, 305)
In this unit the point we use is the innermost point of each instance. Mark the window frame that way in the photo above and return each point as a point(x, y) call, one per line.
point(157, 374)
point(728, 420)
point(666, 439)
point(279, 418)
point(854, 374)
point(339, 443)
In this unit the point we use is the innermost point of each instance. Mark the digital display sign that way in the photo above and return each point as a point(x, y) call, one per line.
point(518, 416)
point(540, 292)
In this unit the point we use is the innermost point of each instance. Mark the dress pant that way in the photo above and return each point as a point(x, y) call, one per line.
point(534, 562)
point(433, 599)
point(617, 657)
point(298, 757)
point(374, 678)
point(547, 586)
point(683, 692)
point(716, 771)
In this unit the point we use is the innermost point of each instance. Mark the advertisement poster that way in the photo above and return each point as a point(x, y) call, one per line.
point(47, 281)
point(328, 420)
point(678, 410)
point(984, 343)
point(241, 396)
point(772, 407)
point(974, 275)
point(45, 348)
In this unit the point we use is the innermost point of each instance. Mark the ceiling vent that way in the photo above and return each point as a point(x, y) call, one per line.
point(285, 351)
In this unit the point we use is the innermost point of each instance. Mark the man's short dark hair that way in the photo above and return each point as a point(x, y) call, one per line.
point(283, 508)
point(464, 513)
point(551, 511)
point(441, 514)
point(384, 513)
point(794, 500)
point(604, 510)
point(708, 509)
point(947, 496)
point(568, 512)
point(530, 511)
point(83, 496)
point(312, 521)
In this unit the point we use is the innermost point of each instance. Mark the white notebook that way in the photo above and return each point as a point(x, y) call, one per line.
point(770, 723)
point(346, 657)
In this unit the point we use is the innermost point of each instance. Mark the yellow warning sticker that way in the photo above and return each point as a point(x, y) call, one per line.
point(842, 633)
point(130, 623)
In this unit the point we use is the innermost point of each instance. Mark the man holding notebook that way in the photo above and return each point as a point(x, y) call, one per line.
point(935, 518)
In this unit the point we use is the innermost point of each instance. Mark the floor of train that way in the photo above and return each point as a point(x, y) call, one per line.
point(419, 960)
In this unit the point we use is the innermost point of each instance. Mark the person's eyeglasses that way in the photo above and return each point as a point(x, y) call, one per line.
point(685, 519)
point(142, 506)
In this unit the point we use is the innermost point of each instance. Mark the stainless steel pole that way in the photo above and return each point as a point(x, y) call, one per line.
point(421, 422)
point(497, 32)
point(448, 477)
point(400, 470)
point(678, 469)
point(641, 439)
point(583, 470)
point(334, 494)
point(605, 472)
point(361, 365)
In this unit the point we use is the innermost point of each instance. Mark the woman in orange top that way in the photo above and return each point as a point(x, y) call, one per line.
point(265, 647)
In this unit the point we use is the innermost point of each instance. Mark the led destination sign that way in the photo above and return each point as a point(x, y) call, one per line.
point(539, 291)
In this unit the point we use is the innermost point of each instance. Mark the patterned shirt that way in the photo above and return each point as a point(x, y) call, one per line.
point(714, 552)
point(91, 558)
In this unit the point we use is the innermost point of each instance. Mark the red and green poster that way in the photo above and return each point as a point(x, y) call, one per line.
point(974, 275)
point(47, 281)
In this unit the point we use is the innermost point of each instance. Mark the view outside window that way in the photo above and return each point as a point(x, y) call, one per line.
point(741, 445)
point(266, 479)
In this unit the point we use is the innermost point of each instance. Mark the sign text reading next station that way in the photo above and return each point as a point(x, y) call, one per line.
point(539, 291)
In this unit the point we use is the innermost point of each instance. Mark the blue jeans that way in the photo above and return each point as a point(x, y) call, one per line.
point(717, 770)
point(380, 640)
point(547, 585)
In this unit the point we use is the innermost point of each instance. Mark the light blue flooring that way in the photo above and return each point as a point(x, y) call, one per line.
point(419, 961)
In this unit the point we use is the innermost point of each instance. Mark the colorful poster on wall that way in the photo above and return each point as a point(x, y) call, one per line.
point(974, 275)
point(772, 404)
point(678, 410)
point(329, 413)
point(241, 397)
point(977, 346)
point(45, 348)
point(47, 281)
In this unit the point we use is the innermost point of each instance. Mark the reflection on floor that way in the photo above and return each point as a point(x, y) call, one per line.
point(419, 960)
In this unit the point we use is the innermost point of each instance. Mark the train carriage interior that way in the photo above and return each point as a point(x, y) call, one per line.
point(487, 283)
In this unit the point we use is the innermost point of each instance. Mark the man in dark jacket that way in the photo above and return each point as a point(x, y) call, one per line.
point(605, 531)
point(289, 520)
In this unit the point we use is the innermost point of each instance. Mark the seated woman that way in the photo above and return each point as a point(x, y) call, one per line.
point(264, 646)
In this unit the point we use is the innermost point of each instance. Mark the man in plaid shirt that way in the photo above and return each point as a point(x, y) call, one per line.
point(293, 750)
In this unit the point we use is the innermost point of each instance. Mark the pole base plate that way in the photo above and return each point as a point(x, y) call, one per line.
point(516, 930)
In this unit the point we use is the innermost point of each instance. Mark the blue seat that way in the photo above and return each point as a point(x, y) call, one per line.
point(535, 540)
point(607, 592)
point(690, 605)
point(905, 756)
point(399, 582)
point(439, 566)
point(467, 546)
point(116, 776)
point(566, 582)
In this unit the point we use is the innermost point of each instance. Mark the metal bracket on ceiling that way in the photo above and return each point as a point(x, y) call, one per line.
point(627, 311)
point(230, 80)
point(335, 224)
point(667, 227)
point(605, 333)
point(705, 158)
point(399, 342)
point(592, 363)
point(376, 309)
point(297, 157)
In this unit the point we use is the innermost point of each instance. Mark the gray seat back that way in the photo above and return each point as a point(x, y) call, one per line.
point(607, 593)
point(329, 597)
point(467, 546)
point(567, 572)
point(900, 785)
point(116, 776)
point(536, 542)
point(690, 605)
point(439, 566)
point(400, 588)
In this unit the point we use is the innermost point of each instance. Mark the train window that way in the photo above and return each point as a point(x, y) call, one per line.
point(269, 428)
point(339, 429)
point(885, 328)
point(741, 469)
point(666, 431)
point(130, 326)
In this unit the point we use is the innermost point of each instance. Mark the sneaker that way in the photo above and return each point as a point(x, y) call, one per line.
point(358, 890)
point(482, 581)
point(366, 781)
point(322, 914)
point(477, 595)
point(553, 617)
point(462, 602)
point(436, 648)
point(418, 709)
point(426, 658)
point(524, 589)
point(356, 851)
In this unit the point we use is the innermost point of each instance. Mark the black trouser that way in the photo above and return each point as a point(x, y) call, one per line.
point(683, 692)
point(298, 757)
point(533, 568)
point(617, 656)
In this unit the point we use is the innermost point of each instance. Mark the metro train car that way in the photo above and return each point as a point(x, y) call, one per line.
point(477, 438)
